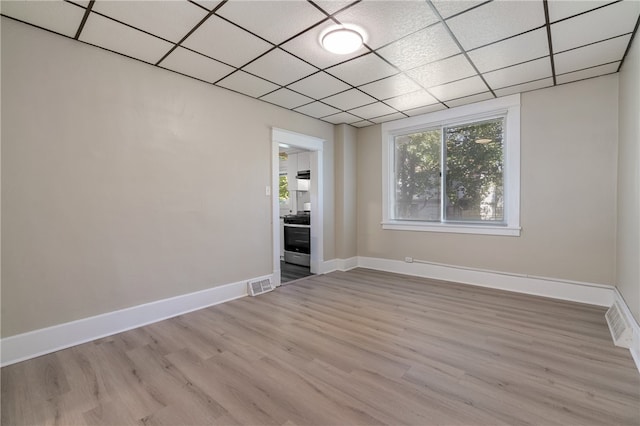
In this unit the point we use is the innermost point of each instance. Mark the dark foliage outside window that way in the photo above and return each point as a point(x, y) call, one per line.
point(465, 162)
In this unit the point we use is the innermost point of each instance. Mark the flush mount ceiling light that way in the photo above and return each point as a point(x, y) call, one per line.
point(483, 141)
point(342, 40)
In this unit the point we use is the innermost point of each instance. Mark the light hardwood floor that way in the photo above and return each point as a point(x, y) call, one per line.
point(360, 347)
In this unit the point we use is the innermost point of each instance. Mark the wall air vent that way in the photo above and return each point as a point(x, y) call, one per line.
point(618, 326)
point(259, 287)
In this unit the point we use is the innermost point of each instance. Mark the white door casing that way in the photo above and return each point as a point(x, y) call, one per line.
point(315, 145)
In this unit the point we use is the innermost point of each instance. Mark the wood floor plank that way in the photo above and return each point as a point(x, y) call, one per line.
point(348, 348)
point(173, 386)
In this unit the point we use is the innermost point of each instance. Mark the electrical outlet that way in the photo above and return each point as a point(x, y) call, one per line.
point(408, 259)
point(267, 190)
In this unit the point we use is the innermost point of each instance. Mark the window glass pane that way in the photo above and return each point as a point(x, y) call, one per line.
point(417, 176)
point(284, 191)
point(474, 174)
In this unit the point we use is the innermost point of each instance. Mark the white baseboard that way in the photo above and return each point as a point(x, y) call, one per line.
point(575, 291)
point(40, 342)
point(328, 266)
point(594, 294)
point(635, 342)
point(339, 265)
point(46, 340)
point(347, 264)
point(276, 277)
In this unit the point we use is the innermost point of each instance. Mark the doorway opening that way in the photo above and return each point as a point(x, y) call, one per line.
point(295, 212)
point(297, 205)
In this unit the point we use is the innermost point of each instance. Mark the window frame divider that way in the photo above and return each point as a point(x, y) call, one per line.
point(508, 106)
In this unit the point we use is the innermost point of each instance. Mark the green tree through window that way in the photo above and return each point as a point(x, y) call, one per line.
point(418, 175)
point(474, 178)
point(471, 177)
point(284, 190)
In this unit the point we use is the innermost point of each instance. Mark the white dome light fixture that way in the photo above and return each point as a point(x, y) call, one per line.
point(342, 40)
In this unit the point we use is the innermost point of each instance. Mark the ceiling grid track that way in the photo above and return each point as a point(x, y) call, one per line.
point(549, 40)
point(175, 46)
point(274, 53)
point(84, 19)
point(457, 42)
point(626, 51)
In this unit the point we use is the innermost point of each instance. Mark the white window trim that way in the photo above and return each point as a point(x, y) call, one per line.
point(509, 105)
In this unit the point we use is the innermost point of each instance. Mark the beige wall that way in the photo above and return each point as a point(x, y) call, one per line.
point(123, 183)
point(568, 181)
point(120, 185)
point(628, 232)
point(345, 167)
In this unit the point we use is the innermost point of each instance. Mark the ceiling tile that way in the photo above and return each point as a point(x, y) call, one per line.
point(591, 55)
point(390, 117)
point(111, 35)
point(363, 123)
point(342, 117)
point(563, 9)
point(170, 20)
point(411, 100)
point(427, 54)
point(444, 71)
point(286, 98)
point(607, 22)
point(307, 46)
point(319, 85)
point(424, 110)
point(317, 109)
point(588, 73)
point(470, 99)
point(373, 110)
point(362, 70)
point(422, 47)
point(258, 17)
point(387, 21)
point(527, 87)
point(448, 8)
point(350, 99)
point(208, 4)
point(495, 21)
point(58, 16)
point(213, 38)
point(195, 65)
point(390, 87)
point(523, 48)
point(332, 6)
point(248, 84)
point(517, 74)
point(458, 89)
point(280, 67)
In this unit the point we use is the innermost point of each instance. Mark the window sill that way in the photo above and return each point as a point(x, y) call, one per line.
point(457, 228)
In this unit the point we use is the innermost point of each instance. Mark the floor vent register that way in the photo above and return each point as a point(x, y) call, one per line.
point(618, 326)
point(256, 288)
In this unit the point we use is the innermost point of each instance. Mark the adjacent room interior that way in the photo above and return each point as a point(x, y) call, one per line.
point(219, 212)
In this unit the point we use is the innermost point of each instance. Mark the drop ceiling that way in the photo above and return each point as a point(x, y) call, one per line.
point(418, 57)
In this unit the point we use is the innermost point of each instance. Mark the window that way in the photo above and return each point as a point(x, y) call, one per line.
point(284, 192)
point(464, 162)
point(455, 170)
